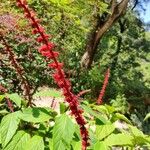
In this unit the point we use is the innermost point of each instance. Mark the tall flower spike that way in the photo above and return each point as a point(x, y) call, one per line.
point(19, 70)
point(59, 76)
point(105, 83)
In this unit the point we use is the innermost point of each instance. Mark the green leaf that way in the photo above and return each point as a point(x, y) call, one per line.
point(100, 146)
point(59, 145)
point(147, 116)
point(35, 143)
point(122, 117)
point(139, 137)
point(135, 131)
point(15, 98)
point(61, 2)
point(62, 132)
point(63, 108)
point(1, 97)
point(4, 111)
point(119, 140)
point(0, 139)
point(36, 114)
point(8, 127)
point(19, 141)
point(101, 108)
point(103, 131)
point(88, 110)
point(76, 145)
point(50, 144)
point(110, 109)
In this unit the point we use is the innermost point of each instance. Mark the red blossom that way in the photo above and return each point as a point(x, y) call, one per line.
point(53, 65)
point(102, 92)
point(47, 50)
point(29, 15)
point(34, 31)
point(46, 47)
point(40, 38)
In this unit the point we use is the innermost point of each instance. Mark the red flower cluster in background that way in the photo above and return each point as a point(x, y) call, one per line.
point(105, 83)
point(47, 50)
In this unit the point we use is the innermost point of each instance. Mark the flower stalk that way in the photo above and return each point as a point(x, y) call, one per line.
point(105, 83)
point(47, 50)
point(19, 70)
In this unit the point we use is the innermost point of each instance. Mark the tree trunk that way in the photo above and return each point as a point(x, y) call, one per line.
point(117, 10)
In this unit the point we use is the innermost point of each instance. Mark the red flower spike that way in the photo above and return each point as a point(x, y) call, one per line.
point(46, 54)
point(51, 45)
point(32, 15)
point(80, 111)
point(24, 2)
point(27, 15)
point(41, 29)
point(49, 54)
point(40, 38)
point(54, 65)
point(47, 47)
point(34, 22)
point(102, 92)
point(43, 48)
point(56, 54)
point(80, 121)
point(60, 83)
point(34, 31)
point(19, 4)
point(68, 100)
point(59, 76)
point(66, 94)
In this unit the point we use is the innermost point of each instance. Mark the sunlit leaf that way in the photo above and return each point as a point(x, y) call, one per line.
point(36, 114)
point(103, 131)
point(19, 141)
point(62, 132)
point(8, 127)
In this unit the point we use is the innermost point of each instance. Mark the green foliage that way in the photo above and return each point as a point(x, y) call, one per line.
point(19, 141)
point(35, 115)
point(40, 128)
point(147, 116)
point(36, 142)
point(8, 127)
point(70, 23)
point(15, 98)
point(120, 103)
point(100, 145)
point(119, 140)
point(103, 131)
point(63, 132)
